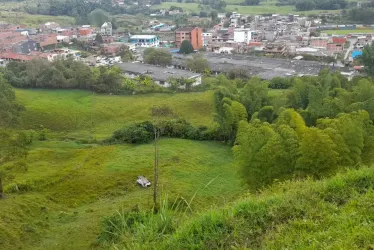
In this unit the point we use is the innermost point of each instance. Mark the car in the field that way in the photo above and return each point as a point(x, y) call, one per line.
point(142, 181)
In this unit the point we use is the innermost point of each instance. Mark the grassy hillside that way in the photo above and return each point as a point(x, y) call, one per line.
point(84, 114)
point(336, 213)
point(346, 32)
point(66, 188)
point(265, 7)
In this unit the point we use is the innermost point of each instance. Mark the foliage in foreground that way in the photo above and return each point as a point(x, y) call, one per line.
point(9, 108)
point(335, 213)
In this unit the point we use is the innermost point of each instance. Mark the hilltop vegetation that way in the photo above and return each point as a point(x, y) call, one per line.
point(333, 214)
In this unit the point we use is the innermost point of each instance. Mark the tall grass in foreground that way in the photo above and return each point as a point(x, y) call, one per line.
point(133, 228)
point(336, 213)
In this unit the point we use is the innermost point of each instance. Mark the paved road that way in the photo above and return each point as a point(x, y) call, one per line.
point(349, 50)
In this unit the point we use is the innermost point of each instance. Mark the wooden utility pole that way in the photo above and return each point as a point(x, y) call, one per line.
point(155, 170)
point(1, 188)
point(158, 113)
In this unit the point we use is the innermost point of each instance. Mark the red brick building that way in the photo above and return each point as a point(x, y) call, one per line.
point(339, 40)
point(194, 35)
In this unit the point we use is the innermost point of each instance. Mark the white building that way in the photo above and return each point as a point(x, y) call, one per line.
point(243, 35)
point(145, 40)
point(235, 15)
point(207, 37)
point(63, 54)
point(106, 29)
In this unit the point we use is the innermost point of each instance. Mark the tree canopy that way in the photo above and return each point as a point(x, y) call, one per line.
point(9, 108)
point(367, 59)
point(160, 57)
point(197, 64)
point(186, 47)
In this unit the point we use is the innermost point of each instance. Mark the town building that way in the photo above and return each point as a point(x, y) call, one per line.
point(243, 35)
point(25, 47)
point(160, 75)
point(106, 29)
point(207, 37)
point(192, 34)
point(145, 40)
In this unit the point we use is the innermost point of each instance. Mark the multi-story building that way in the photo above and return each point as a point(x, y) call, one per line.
point(192, 34)
point(243, 35)
point(207, 37)
point(145, 40)
point(106, 29)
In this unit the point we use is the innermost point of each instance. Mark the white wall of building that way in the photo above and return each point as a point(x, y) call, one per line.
point(242, 35)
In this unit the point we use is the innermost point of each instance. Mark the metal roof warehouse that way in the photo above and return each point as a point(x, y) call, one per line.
point(156, 73)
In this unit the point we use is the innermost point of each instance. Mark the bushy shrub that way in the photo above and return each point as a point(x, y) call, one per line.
point(176, 128)
point(134, 133)
point(280, 83)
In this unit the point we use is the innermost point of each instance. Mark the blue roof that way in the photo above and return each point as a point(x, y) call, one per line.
point(356, 53)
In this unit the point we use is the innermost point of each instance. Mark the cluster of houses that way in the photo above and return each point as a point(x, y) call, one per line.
point(234, 34)
point(20, 43)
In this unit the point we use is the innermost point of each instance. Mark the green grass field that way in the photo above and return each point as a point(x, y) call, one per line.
point(66, 188)
point(84, 114)
point(265, 7)
point(346, 32)
point(71, 187)
point(33, 20)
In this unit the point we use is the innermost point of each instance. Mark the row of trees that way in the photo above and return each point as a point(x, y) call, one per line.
point(63, 74)
point(83, 11)
point(289, 148)
point(323, 124)
point(69, 74)
point(302, 5)
point(362, 15)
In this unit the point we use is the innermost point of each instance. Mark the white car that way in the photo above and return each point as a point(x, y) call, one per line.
point(144, 182)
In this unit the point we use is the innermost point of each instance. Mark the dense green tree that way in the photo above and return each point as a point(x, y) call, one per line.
point(99, 38)
point(160, 57)
point(367, 59)
point(186, 47)
point(254, 95)
point(280, 83)
point(299, 96)
point(213, 15)
point(260, 152)
point(251, 2)
point(197, 64)
point(317, 153)
point(303, 5)
point(266, 114)
point(9, 108)
point(97, 17)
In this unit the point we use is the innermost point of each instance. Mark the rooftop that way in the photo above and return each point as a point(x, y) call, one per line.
point(157, 73)
point(143, 36)
point(185, 29)
point(255, 66)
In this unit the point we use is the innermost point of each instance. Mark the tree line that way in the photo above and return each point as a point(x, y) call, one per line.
point(303, 5)
point(70, 74)
point(325, 123)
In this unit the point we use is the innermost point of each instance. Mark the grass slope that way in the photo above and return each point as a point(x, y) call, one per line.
point(336, 213)
point(346, 32)
point(84, 114)
point(70, 187)
point(265, 7)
